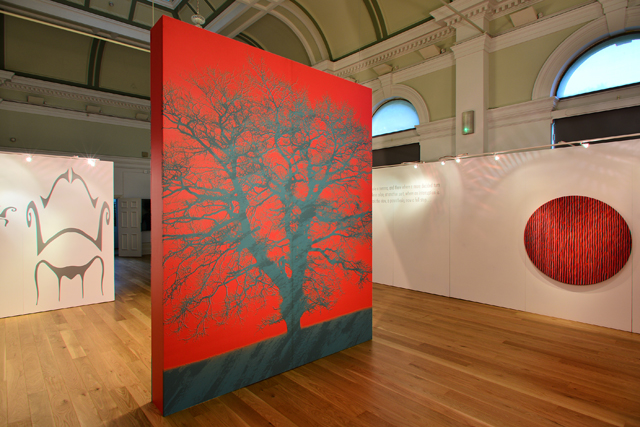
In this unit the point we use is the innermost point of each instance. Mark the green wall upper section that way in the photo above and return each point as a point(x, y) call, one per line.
point(513, 70)
point(438, 90)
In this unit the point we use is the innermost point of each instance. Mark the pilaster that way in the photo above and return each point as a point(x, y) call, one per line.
point(472, 79)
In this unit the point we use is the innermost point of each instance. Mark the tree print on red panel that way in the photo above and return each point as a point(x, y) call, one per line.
point(263, 166)
point(266, 209)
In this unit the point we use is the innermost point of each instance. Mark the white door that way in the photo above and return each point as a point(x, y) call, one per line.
point(129, 234)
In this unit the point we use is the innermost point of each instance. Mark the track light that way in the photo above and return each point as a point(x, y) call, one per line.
point(497, 157)
point(457, 159)
point(92, 162)
point(442, 162)
point(415, 166)
point(29, 159)
point(585, 144)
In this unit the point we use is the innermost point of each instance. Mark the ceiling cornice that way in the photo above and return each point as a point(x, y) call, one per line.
point(72, 114)
point(402, 44)
point(57, 90)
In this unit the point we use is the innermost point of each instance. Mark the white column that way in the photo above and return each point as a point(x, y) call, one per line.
point(472, 79)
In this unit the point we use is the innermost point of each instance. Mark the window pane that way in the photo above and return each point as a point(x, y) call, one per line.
point(394, 116)
point(613, 63)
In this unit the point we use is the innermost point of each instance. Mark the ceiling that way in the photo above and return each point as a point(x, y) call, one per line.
point(306, 31)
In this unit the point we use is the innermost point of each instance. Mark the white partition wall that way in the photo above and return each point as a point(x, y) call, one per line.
point(486, 206)
point(56, 233)
point(411, 228)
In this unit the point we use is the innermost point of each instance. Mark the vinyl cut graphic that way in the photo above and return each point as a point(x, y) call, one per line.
point(577, 240)
point(58, 239)
point(265, 182)
point(3, 214)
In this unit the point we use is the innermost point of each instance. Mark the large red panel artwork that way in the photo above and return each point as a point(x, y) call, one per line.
point(577, 240)
point(265, 184)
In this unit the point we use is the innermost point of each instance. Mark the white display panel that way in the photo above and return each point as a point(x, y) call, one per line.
point(411, 228)
point(56, 233)
point(635, 254)
point(488, 205)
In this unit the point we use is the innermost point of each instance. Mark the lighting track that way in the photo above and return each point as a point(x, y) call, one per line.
point(60, 27)
point(496, 154)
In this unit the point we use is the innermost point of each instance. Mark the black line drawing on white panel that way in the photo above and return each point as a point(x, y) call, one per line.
point(70, 272)
point(97, 241)
point(3, 215)
point(65, 176)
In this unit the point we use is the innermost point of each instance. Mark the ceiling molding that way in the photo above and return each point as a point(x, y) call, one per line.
point(57, 90)
point(392, 52)
point(507, 7)
point(431, 32)
point(546, 25)
point(5, 76)
point(467, 8)
point(72, 114)
point(69, 15)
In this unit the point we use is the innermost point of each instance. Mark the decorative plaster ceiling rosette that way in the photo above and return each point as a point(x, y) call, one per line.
point(577, 240)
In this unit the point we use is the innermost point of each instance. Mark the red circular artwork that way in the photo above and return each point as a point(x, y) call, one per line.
point(577, 240)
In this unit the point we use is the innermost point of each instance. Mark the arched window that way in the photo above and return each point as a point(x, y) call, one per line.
point(612, 63)
point(394, 116)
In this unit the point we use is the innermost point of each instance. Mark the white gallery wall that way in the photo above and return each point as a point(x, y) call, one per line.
point(468, 241)
point(56, 233)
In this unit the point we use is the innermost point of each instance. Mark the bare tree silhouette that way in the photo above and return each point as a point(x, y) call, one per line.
point(258, 199)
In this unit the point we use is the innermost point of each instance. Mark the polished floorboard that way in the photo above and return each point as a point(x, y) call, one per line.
point(433, 361)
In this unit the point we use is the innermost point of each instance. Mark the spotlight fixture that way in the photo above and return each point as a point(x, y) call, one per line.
point(29, 159)
point(442, 162)
point(497, 157)
point(585, 144)
point(415, 166)
point(457, 159)
point(92, 162)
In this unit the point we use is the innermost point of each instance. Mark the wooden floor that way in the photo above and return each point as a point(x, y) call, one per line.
point(433, 361)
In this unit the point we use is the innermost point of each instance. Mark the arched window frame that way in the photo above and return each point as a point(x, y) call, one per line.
point(584, 55)
point(387, 102)
point(573, 46)
point(401, 91)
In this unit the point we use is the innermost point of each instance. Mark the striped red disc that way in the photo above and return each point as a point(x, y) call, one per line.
point(577, 240)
